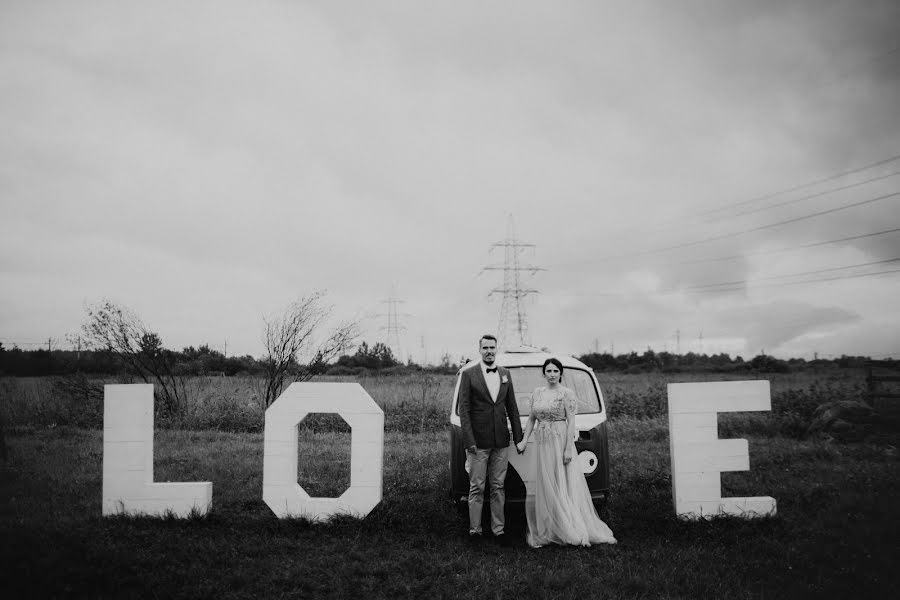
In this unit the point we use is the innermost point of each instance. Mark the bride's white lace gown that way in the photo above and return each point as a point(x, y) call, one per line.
point(560, 510)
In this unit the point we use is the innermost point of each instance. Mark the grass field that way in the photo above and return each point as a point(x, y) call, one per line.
point(415, 403)
point(836, 534)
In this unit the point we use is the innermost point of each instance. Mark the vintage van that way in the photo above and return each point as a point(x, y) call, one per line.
point(524, 366)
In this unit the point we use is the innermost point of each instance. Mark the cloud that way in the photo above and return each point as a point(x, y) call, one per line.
point(771, 325)
point(221, 158)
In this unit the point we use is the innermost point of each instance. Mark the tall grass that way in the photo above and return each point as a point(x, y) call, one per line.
point(412, 403)
point(420, 402)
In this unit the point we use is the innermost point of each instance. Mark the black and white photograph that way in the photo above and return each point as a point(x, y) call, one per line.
point(398, 299)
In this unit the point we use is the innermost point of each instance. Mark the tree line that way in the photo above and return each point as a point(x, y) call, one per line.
point(667, 362)
point(378, 358)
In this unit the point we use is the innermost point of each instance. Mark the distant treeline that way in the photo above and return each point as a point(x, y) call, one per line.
point(192, 361)
point(379, 359)
point(666, 362)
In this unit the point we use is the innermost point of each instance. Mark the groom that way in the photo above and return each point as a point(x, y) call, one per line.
point(486, 402)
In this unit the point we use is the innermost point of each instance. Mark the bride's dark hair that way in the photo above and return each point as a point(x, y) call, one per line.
point(552, 361)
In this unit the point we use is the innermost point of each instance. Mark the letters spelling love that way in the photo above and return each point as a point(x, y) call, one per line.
point(698, 456)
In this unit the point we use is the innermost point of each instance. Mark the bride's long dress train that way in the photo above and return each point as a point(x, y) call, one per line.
point(560, 510)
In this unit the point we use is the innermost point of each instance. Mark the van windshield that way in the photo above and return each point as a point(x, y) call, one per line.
point(525, 379)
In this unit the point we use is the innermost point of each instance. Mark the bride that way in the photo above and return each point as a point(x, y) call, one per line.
point(560, 511)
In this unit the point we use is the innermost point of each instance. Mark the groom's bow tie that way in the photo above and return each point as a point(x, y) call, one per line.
point(490, 370)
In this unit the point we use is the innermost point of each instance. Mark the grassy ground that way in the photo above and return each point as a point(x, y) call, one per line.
point(836, 534)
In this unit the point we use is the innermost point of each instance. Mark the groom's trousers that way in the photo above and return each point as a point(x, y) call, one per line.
point(490, 464)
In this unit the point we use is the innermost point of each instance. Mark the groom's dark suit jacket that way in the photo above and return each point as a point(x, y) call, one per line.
point(483, 420)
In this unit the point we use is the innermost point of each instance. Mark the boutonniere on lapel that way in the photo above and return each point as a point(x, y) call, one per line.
point(504, 379)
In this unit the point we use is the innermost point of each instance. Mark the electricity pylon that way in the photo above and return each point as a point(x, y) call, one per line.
point(512, 328)
point(393, 327)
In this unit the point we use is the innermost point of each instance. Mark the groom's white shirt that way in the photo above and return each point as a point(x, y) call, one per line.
point(492, 380)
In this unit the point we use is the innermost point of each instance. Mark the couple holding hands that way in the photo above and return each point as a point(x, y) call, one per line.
point(558, 509)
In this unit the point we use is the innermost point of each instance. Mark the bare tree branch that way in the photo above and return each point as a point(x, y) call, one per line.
point(119, 331)
point(291, 337)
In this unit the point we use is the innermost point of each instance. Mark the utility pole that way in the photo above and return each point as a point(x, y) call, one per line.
point(225, 350)
point(512, 327)
point(393, 326)
point(700, 340)
point(424, 350)
point(677, 341)
point(75, 342)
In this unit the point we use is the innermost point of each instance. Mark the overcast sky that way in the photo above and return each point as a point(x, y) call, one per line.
point(204, 163)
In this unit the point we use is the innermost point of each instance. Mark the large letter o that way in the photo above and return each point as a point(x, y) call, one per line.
point(281, 492)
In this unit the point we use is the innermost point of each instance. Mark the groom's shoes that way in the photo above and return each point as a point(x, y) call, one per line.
point(475, 538)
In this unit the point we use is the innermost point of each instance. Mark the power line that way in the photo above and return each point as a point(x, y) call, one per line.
point(803, 274)
point(668, 225)
point(758, 228)
point(802, 185)
point(717, 287)
point(788, 249)
point(773, 195)
point(809, 197)
point(787, 283)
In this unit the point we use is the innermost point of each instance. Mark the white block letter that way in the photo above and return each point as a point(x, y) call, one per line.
point(699, 457)
point(281, 491)
point(128, 460)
